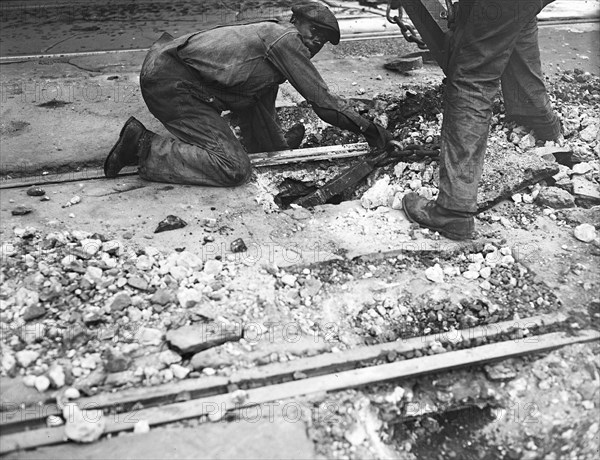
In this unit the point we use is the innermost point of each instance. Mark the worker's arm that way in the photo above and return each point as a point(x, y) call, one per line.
point(292, 59)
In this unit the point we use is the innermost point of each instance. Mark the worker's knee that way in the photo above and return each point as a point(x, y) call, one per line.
point(238, 174)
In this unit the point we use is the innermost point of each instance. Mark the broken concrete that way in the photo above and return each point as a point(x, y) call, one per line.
point(555, 197)
point(198, 337)
point(506, 172)
point(586, 192)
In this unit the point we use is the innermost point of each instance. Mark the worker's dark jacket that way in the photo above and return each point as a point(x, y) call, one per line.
point(237, 68)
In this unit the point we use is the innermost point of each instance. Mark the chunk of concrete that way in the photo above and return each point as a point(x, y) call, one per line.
point(555, 197)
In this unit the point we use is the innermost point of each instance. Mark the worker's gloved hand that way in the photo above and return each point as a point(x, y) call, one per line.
point(377, 137)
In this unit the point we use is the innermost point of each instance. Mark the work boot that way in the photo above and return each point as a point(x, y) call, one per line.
point(427, 213)
point(133, 139)
point(295, 135)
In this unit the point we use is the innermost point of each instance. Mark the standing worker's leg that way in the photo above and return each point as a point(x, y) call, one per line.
point(483, 49)
point(525, 96)
point(489, 39)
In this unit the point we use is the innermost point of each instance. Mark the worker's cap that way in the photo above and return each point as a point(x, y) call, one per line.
point(321, 16)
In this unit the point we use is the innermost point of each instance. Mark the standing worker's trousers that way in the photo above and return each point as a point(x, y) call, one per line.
point(497, 41)
point(205, 150)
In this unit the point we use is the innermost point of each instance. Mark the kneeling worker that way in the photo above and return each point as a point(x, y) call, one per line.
point(188, 81)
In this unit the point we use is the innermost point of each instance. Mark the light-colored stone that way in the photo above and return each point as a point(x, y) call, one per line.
point(582, 168)
point(555, 197)
point(189, 297)
point(91, 246)
point(26, 357)
point(197, 337)
point(53, 421)
point(585, 189)
point(485, 285)
point(507, 260)
point(169, 357)
point(189, 260)
point(415, 184)
point(527, 141)
point(485, 272)
point(166, 375)
point(585, 232)
point(80, 235)
point(470, 275)
point(134, 314)
point(474, 267)
point(149, 336)
point(213, 267)
point(144, 263)
point(179, 372)
point(288, 279)
point(93, 273)
point(179, 272)
point(397, 201)
point(141, 427)
point(42, 383)
point(82, 427)
point(8, 362)
point(113, 247)
point(56, 374)
point(355, 434)
point(590, 133)
point(400, 168)
point(26, 298)
point(435, 274)
point(151, 251)
point(380, 194)
point(71, 393)
point(88, 362)
point(451, 271)
point(427, 192)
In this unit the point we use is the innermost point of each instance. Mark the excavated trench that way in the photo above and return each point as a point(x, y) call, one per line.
point(455, 432)
point(412, 118)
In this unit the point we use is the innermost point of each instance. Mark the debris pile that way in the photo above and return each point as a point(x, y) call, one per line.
point(79, 309)
point(513, 409)
point(516, 162)
point(82, 312)
point(517, 165)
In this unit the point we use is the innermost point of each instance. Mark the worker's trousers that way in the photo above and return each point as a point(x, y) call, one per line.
point(204, 151)
point(498, 41)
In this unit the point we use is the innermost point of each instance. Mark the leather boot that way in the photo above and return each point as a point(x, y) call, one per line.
point(133, 140)
point(451, 224)
point(295, 136)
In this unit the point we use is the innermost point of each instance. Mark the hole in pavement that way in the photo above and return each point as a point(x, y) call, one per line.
point(453, 434)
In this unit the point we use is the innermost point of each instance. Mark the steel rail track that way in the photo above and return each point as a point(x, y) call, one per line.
point(216, 406)
point(14, 419)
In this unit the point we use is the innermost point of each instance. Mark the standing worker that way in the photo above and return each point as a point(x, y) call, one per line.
point(187, 82)
point(494, 40)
